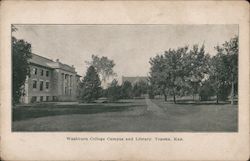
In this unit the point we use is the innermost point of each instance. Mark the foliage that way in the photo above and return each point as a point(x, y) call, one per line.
point(184, 71)
point(197, 64)
point(151, 92)
point(206, 91)
point(103, 65)
point(114, 91)
point(140, 88)
point(169, 70)
point(231, 49)
point(158, 78)
point(90, 86)
point(21, 53)
point(126, 90)
point(224, 69)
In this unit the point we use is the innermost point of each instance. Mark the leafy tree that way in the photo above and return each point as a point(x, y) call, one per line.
point(90, 86)
point(224, 69)
point(126, 90)
point(151, 92)
point(114, 91)
point(197, 66)
point(175, 69)
point(136, 90)
point(218, 73)
point(231, 49)
point(104, 67)
point(21, 53)
point(179, 71)
point(143, 87)
point(159, 78)
point(206, 91)
point(140, 88)
point(182, 72)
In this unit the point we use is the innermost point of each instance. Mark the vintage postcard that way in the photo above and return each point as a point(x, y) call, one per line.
point(105, 80)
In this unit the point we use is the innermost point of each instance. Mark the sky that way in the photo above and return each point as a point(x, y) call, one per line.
point(130, 46)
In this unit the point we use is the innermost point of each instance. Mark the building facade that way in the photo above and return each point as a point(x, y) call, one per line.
point(50, 81)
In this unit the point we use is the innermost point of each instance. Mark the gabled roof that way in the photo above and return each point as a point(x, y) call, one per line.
point(39, 60)
point(48, 63)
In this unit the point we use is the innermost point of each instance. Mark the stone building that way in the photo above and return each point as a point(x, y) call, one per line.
point(50, 81)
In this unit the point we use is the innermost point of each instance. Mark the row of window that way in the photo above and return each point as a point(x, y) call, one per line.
point(41, 72)
point(67, 91)
point(41, 84)
point(42, 98)
point(68, 79)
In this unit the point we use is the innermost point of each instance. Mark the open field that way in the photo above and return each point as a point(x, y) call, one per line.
point(140, 115)
point(200, 117)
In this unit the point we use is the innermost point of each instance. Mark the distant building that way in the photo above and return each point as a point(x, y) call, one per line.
point(50, 81)
point(134, 80)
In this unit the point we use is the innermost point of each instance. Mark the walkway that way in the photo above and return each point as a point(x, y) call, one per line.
point(152, 107)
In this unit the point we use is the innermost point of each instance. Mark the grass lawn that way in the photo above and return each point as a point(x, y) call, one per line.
point(52, 109)
point(201, 117)
point(127, 116)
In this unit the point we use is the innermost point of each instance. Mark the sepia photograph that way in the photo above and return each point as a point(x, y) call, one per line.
point(124, 78)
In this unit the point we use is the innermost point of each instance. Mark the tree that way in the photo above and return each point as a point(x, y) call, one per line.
point(126, 90)
point(136, 90)
point(90, 86)
point(206, 91)
point(154, 89)
point(176, 70)
point(179, 71)
point(169, 70)
point(231, 49)
point(217, 73)
point(104, 67)
point(224, 69)
point(114, 91)
point(159, 78)
point(21, 53)
point(197, 66)
point(151, 91)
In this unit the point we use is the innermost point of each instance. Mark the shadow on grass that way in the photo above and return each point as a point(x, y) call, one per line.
point(200, 103)
point(23, 113)
point(119, 102)
point(188, 102)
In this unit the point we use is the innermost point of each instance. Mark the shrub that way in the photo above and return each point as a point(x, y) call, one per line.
point(206, 92)
point(114, 91)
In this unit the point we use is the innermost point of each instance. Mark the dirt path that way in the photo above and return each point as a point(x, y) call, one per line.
point(152, 107)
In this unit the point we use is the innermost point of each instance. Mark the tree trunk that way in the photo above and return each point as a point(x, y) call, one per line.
point(232, 92)
point(165, 97)
point(217, 91)
point(174, 98)
point(164, 93)
point(217, 97)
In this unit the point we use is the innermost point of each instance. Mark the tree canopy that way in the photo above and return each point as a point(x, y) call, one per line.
point(224, 69)
point(183, 71)
point(21, 53)
point(114, 91)
point(90, 86)
point(127, 90)
point(103, 65)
